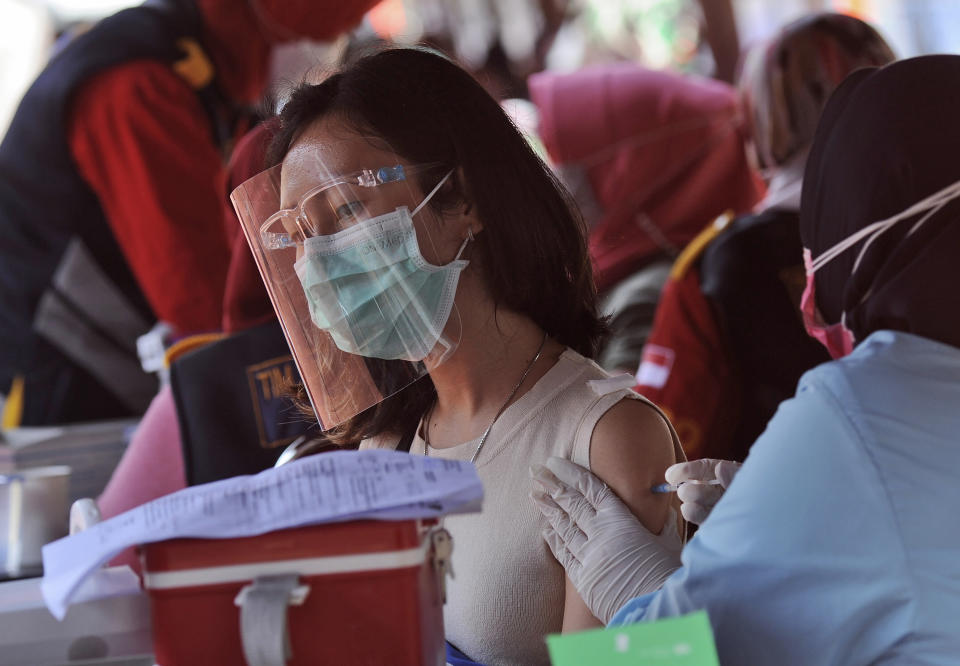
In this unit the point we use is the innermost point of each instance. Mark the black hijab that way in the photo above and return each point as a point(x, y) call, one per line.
point(887, 139)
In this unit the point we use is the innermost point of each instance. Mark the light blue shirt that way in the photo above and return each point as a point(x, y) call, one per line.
point(839, 540)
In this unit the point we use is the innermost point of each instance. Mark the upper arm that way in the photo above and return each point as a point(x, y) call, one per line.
point(142, 142)
point(630, 449)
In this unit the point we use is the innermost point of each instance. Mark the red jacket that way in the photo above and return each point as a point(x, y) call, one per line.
point(686, 368)
point(142, 141)
point(160, 186)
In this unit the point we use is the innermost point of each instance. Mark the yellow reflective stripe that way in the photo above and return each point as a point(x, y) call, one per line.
point(695, 248)
point(13, 407)
point(195, 67)
point(181, 347)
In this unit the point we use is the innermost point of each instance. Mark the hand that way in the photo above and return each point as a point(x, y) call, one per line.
point(609, 556)
point(699, 498)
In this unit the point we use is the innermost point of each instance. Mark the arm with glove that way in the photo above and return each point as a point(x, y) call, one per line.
point(700, 485)
point(608, 554)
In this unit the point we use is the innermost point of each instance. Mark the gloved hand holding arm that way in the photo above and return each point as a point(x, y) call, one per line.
point(608, 554)
point(699, 498)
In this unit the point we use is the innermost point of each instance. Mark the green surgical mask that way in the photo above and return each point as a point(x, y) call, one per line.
point(370, 288)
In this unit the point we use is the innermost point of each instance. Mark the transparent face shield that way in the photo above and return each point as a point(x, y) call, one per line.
point(361, 271)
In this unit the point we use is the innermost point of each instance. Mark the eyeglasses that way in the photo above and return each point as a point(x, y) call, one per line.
point(333, 205)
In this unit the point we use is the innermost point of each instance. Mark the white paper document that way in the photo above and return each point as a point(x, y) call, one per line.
point(331, 487)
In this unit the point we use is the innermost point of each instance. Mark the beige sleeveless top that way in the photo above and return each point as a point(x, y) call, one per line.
point(508, 590)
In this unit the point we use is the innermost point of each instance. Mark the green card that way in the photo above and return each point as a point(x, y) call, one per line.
point(686, 640)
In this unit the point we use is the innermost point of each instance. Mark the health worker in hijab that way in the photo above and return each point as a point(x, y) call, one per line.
point(829, 546)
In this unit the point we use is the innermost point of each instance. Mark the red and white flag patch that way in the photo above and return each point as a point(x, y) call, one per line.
point(655, 366)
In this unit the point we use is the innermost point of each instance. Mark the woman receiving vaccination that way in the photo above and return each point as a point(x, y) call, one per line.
point(434, 284)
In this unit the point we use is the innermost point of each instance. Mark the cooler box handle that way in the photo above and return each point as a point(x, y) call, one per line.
point(263, 618)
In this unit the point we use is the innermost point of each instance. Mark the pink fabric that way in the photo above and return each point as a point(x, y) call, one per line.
point(654, 144)
point(151, 467)
point(837, 338)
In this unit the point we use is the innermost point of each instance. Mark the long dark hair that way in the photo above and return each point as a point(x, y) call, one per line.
point(532, 252)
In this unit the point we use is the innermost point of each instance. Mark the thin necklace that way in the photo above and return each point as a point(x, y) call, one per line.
point(483, 437)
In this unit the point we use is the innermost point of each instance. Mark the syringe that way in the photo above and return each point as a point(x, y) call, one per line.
point(672, 487)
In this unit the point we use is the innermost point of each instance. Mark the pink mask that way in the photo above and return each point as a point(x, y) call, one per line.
point(837, 338)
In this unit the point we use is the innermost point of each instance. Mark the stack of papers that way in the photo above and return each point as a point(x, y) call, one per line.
point(91, 450)
point(330, 487)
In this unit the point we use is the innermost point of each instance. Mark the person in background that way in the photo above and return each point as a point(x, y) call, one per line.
point(111, 190)
point(728, 344)
point(412, 230)
point(153, 464)
point(650, 157)
point(829, 546)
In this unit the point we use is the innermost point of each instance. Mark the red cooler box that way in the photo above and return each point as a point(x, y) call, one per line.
point(363, 592)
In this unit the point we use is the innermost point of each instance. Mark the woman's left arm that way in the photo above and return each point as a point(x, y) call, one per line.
point(630, 449)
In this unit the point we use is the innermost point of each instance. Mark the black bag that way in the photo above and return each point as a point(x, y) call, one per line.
point(233, 404)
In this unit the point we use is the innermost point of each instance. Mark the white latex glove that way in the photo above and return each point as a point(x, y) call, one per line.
point(609, 556)
point(699, 498)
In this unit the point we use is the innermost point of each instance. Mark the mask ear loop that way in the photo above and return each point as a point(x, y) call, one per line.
point(916, 226)
point(931, 205)
point(936, 200)
point(463, 245)
point(429, 196)
point(432, 192)
point(933, 211)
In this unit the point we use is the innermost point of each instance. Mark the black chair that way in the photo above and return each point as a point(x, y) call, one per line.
point(234, 406)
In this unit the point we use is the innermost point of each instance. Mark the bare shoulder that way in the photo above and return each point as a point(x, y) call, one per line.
point(630, 449)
